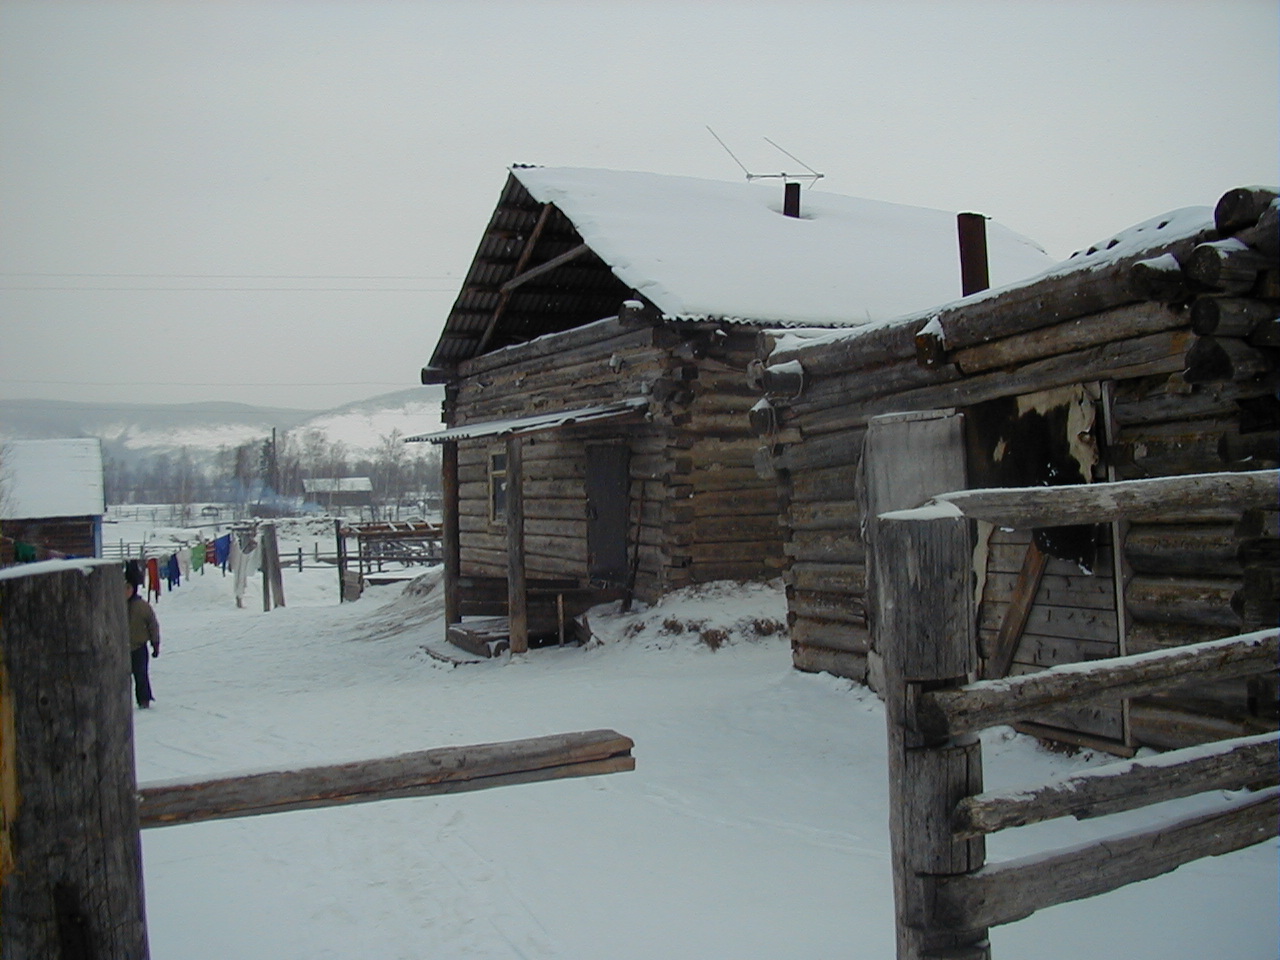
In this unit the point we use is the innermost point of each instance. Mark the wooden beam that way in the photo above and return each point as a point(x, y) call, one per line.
point(1014, 623)
point(522, 278)
point(976, 706)
point(1005, 892)
point(423, 773)
point(1156, 500)
point(1228, 765)
point(504, 297)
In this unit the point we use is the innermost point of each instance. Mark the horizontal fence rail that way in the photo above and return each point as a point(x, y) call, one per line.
point(986, 703)
point(1126, 785)
point(438, 771)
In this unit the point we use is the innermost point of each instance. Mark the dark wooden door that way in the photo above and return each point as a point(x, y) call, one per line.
point(608, 489)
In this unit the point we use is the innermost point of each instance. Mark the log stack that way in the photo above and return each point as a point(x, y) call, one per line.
point(1171, 327)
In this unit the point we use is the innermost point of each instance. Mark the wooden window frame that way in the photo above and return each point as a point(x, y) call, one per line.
point(497, 476)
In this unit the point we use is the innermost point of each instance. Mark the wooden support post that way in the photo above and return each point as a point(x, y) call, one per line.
point(517, 588)
point(926, 632)
point(272, 577)
point(70, 856)
point(340, 550)
point(449, 535)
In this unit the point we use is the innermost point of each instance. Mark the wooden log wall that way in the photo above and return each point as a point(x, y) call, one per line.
point(698, 510)
point(722, 517)
point(1183, 328)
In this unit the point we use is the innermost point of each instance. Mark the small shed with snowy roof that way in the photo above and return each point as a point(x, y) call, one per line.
point(598, 441)
point(339, 492)
point(51, 499)
point(1151, 354)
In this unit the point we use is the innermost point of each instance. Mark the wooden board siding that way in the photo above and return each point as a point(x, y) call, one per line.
point(1072, 618)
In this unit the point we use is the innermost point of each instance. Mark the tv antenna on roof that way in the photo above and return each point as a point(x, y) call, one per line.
point(813, 176)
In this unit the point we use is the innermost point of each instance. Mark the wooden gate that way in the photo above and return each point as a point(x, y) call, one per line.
point(945, 897)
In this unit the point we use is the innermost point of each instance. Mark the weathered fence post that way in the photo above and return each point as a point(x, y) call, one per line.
point(925, 629)
point(70, 855)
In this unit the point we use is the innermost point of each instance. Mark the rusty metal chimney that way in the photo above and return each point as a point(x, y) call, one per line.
point(974, 275)
point(791, 200)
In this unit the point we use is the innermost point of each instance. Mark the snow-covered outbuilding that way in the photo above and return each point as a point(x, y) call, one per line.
point(339, 493)
point(595, 363)
point(1151, 354)
point(51, 499)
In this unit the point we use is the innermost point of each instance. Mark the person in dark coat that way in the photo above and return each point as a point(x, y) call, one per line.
point(144, 629)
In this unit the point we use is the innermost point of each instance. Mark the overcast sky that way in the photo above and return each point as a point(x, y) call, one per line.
point(276, 202)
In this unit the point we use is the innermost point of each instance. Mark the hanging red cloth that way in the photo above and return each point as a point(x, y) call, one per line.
point(153, 577)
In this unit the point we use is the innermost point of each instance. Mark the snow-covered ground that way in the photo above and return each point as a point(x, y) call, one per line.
point(754, 825)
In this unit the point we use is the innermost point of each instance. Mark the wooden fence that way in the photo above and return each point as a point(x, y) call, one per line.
point(70, 806)
point(946, 897)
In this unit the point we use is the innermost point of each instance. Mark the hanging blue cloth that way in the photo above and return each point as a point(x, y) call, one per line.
point(173, 572)
point(222, 551)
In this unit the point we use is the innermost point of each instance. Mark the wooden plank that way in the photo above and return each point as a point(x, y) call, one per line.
point(1056, 590)
point(986, 703)
point(1229, 765)
point(1156, 499)
point(432, 772)
point(906, 459)
point(532, 273)
point(1004, 892)
point(1014, 621)
point(1090, 624)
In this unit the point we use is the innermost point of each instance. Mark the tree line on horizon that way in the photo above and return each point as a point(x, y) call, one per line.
point(270, 470)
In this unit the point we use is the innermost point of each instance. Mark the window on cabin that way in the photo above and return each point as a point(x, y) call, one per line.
point(498, 487)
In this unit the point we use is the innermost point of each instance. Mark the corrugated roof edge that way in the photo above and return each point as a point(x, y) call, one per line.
point(539, 421)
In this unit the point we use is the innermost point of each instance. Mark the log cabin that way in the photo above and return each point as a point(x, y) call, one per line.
point(1150, 354)
point(51, 499)
point(597, 440)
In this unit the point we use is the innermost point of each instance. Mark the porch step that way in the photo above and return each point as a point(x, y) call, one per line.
point(484, 637)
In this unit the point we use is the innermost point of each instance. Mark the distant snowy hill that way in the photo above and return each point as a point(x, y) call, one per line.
point(131, 431)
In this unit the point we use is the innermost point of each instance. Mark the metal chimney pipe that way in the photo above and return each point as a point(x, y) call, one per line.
point(974, 275)
point(791, 200)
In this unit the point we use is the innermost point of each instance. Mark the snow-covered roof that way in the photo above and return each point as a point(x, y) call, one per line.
point(1141, 239)
point(565, 246)
point(706, 248)
point(51, 478)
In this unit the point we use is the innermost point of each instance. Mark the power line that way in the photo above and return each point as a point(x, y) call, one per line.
point(190, 383)
point(238, 289)
point(238, 276)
